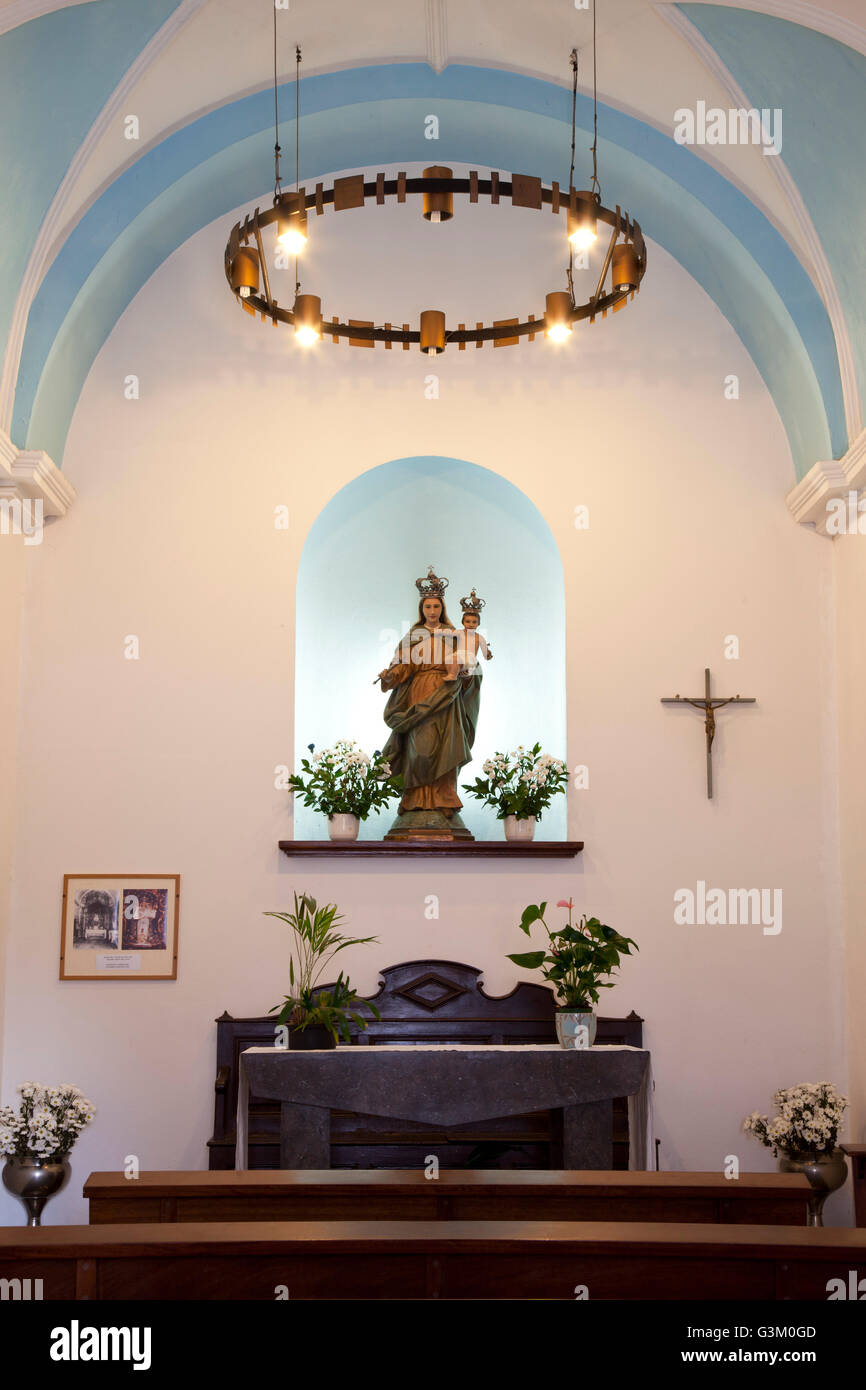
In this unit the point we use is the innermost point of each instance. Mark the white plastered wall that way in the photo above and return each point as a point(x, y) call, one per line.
point(166, 764)
point(13, 561)
point(849, 553)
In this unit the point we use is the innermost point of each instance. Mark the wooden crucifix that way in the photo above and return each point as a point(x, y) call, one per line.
point(709, 704)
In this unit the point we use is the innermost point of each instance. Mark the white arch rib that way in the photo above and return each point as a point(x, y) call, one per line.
point(45, 245)
point(822, 274)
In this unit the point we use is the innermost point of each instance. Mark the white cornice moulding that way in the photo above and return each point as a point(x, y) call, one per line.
point(29, 473)
point(437, 34)
point(807, 502)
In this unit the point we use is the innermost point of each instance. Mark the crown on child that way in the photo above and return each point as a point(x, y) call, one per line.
point(472, 604)
point(432, 586)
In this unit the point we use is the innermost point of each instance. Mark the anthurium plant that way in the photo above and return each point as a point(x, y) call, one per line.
point(576, 958)
point(316, 939)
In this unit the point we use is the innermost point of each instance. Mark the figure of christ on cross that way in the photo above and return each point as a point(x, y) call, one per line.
point(709, 704)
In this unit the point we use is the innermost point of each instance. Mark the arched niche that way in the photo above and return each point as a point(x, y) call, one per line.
point(356, 597)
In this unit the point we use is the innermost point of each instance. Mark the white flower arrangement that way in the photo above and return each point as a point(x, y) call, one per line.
point(521, 783)
point(47, 1124)
point(807, 1123)
point(345, 780)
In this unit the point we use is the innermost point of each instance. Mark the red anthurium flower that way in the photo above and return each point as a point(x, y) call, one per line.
point(563, 903)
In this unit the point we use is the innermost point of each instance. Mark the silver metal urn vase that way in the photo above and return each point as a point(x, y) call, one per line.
point(33, 1181)
point(826, 1174)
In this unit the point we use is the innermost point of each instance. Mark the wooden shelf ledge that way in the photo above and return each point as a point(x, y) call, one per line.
point(455, 849)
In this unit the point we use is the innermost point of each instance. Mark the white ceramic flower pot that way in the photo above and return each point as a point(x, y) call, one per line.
point(519, 829)
point(343, 827)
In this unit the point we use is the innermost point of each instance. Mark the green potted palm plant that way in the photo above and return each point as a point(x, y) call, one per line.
point(575, 961)
point(315, 1015)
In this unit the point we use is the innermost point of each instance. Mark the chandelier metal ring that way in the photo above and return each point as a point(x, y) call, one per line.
point(624, 258)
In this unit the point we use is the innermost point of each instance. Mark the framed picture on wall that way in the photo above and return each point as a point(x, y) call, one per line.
point(119, 926)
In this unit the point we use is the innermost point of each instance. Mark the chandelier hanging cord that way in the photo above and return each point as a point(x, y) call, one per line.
point(570, 271)
point(297, 139)
point(297, 115)
point(277, 184)
point(596, 186)
point(573, 112)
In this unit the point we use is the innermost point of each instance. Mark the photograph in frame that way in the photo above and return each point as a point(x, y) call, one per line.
point(119, 927)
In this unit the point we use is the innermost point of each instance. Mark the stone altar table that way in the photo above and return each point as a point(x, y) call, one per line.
point(449, 1084)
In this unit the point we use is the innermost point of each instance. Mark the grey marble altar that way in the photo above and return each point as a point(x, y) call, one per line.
point(441, 1086)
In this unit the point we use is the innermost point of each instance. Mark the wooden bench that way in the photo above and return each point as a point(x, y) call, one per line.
point(857, 1155)
point(430, 1259)
point(421, 1001)
point(457, 1194)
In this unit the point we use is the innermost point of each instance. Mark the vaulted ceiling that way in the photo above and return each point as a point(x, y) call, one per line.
point(88, 214)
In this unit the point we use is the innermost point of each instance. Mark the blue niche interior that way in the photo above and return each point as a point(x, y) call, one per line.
point(356, 597)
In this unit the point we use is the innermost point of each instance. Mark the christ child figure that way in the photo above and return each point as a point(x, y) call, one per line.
point(471, 642)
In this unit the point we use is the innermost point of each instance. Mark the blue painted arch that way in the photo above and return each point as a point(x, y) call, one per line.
point(38, 80)
point(823, 141)
point(367, 117)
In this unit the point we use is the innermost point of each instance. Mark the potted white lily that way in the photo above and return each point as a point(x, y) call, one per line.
point(345, 784)
point(520, 785)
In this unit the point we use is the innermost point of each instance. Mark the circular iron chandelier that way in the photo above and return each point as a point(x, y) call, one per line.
point(622, 269)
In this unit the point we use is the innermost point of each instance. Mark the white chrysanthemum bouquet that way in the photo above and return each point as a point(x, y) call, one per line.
point(807, 1124)
point(521, 783)
point(344, 780)
point(47, 1124)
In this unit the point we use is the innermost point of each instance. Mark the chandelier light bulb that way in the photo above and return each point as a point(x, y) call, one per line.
point(582, 238)
point(432, 333)
point(437, 207)
point(293, 241)
point(582, 223)
point(557, 316)
point(292, 222)
point(625, 272)
point(308, 319)
point(244, 274)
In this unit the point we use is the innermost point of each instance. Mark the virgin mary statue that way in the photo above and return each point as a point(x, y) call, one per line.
point(432, 711)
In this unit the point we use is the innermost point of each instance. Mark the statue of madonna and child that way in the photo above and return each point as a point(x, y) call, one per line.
point(432, 712)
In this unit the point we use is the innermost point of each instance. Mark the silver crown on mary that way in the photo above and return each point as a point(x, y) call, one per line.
point(472, 604)
point(431, 586)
